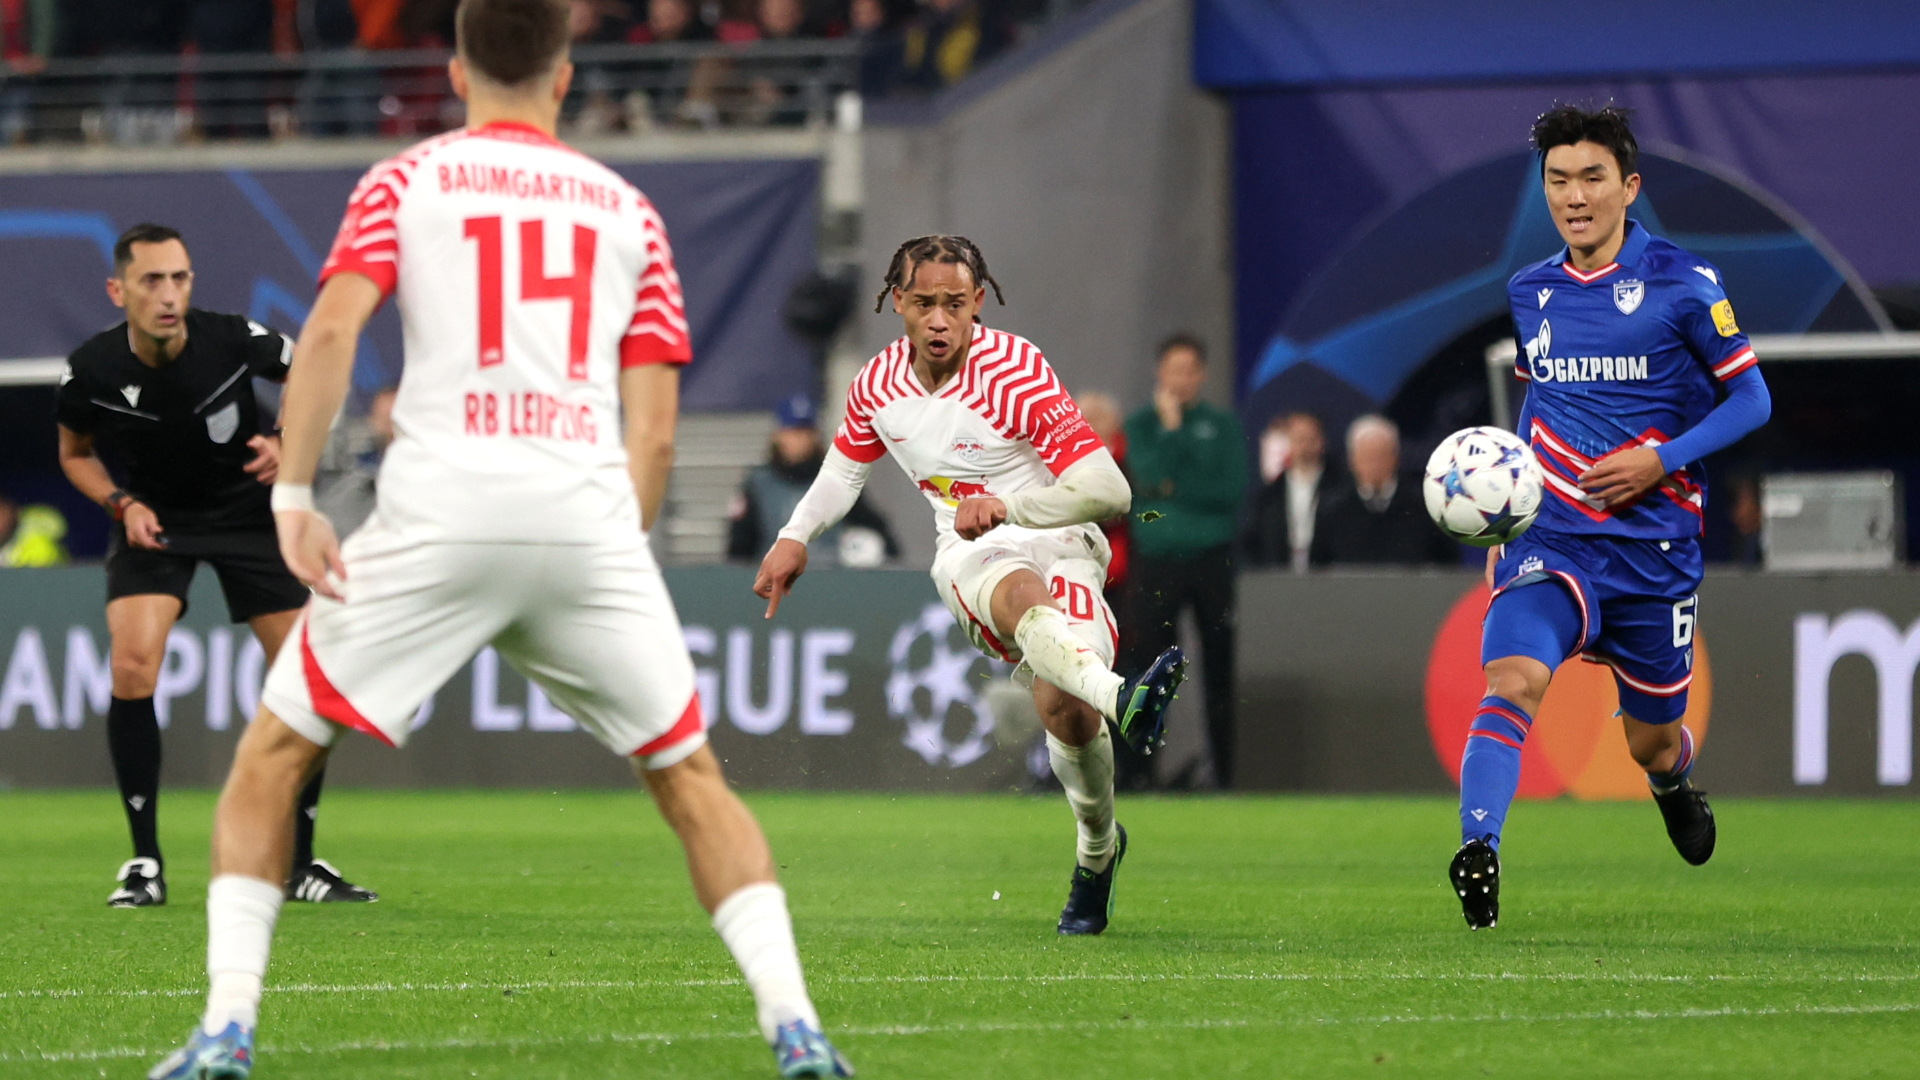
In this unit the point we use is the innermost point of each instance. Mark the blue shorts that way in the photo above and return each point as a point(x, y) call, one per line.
point(1636, 604)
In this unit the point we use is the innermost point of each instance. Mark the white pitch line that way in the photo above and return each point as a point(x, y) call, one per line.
point(910, 980)
point(910, 1030)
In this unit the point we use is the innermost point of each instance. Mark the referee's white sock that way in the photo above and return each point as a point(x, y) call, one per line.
point(754, 923)
point(1056, 654)
point(241, 912)
point(1087, 774)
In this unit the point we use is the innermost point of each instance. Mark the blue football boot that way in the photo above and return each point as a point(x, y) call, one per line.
point(1142, 709)
point(226, 1056)
point(799, 1050)
point(1090, 897)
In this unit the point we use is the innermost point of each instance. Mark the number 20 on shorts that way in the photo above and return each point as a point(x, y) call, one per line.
point(1077, 597)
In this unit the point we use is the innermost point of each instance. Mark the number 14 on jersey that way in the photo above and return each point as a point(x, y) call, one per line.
point(577, 289)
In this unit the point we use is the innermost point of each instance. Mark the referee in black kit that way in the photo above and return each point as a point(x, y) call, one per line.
point(169, 393)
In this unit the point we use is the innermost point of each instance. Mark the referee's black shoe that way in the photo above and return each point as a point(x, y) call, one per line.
point(1475, 877)
point(320, 883)
point(1689, 821)
point(1090, 897)
point(142, 884)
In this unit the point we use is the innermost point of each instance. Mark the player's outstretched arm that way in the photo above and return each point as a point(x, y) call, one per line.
point(317, 385)
point(650, 398)
point(1092, 489)
point(833, 493)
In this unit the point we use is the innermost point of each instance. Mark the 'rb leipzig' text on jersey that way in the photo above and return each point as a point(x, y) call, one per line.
point(1626, 355)
point(529, 276)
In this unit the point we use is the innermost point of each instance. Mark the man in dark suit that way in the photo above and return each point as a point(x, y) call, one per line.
point(1377, 516)
point(1279, 529)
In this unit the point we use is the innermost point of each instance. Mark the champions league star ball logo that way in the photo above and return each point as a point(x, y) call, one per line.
point(930, 692)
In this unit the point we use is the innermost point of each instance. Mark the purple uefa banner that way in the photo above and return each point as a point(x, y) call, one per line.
point(743, 233)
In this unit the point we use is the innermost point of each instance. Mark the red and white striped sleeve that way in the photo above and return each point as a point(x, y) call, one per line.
point(1040, 410)
point(368, 242)
point(856, 437)
point(658, 333)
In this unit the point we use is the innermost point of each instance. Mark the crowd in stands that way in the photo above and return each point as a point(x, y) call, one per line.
point(912, 45)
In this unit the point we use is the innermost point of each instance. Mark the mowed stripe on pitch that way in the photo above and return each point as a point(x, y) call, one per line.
point(989, 1028)
point(909, 980)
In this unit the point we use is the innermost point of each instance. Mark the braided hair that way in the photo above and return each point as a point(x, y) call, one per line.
point(947, 249)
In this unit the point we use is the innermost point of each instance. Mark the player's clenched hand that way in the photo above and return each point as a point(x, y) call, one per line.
point(778, 571)
point(311, 550)
point(143, 527)
point(266, 461)
point(1624, 476)
point(974, 518)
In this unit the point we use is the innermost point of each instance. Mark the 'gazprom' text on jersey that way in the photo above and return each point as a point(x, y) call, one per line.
point(1619, 357)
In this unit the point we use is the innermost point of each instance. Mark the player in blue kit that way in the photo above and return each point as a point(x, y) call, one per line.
point(1628, 342)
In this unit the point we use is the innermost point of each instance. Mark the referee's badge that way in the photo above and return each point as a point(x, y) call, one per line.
point(223, 422)
point(1628, 294)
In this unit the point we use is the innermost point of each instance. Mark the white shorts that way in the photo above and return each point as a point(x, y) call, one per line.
point(593, 625)
point(1072, 561)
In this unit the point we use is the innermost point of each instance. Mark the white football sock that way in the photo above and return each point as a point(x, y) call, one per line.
point(757, 930)
point(240, 915)
point(1056, 654)
point(1087, 774)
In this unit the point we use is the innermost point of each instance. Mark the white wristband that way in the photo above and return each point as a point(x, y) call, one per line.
point(293, 497)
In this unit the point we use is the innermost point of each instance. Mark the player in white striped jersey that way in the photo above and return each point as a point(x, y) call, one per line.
point(1018, 482)
point(540, 303)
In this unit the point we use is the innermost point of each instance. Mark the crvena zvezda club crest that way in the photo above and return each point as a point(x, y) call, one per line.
point(1628, 294)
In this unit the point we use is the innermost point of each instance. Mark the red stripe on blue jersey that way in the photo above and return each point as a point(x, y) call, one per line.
point(1624, 356)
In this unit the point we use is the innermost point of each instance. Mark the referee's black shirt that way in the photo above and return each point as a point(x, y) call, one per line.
point(179, 431)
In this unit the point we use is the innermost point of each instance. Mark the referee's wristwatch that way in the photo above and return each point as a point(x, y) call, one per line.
point(118, 502)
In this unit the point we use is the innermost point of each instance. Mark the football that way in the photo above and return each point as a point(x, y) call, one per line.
point(1483, 486)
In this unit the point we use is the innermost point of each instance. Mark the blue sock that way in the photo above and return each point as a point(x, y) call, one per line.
point(1667, 781)
point(1490, 768)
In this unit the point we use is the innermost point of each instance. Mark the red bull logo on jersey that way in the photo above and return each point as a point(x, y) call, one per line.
point(969, 449)
point(1546, 368)
point(951, 491)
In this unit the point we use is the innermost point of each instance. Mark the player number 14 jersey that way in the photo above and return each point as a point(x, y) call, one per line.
point(528, 275)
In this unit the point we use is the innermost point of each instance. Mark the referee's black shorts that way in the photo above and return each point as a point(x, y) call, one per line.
point(253, 577)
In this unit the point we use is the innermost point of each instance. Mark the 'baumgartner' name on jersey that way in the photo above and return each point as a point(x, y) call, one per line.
point(1626, 355)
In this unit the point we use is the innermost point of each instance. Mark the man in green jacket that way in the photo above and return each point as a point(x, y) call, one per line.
point(1188, 462)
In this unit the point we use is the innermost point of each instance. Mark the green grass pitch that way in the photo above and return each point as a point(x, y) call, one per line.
point(553, 935)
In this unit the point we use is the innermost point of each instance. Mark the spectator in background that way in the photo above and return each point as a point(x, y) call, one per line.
point(948, 41)
point(326, 24)
point(877, 25)
point(1377, 516)
point(771, 491)
point(31, 537)
point(670, 21)
point(380, 23)
point(229, 26)
point(1280, 526)
point(29, 36)
point(122, 27)
point(596, 22)
point(1188, 461)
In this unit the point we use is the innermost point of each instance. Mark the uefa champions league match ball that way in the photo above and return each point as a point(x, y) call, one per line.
point(1483, 486)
